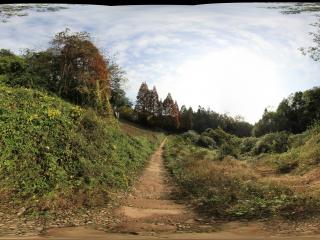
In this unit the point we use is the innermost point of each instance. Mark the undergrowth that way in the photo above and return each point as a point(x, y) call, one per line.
point(229, 188)
point(57, 155)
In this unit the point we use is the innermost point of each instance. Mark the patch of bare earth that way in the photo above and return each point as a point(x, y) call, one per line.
point(152, 207)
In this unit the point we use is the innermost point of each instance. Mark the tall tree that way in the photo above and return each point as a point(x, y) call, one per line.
point(186, 118)
point(83, 76)
point(117, 81)
point(171, 114)
point(154, 101)
point(160, 108)
point(168, 105)
point(141, 106)
point(176, 115)
point(294, 114)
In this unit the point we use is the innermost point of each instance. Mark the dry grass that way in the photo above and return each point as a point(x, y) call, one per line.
point(231, 188)
point(306, 185)
point(135, 130)
point(228, 167)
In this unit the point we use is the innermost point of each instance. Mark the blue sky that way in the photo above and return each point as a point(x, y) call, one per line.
point(235, 58)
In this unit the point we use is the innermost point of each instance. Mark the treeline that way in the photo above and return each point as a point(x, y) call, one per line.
point(152, 111)
point(75, 69)
point(72, 68)
point(294, 114)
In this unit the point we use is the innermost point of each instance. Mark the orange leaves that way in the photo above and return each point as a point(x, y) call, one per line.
point(83, 75)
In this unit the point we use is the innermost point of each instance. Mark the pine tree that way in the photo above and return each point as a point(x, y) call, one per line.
point(176, 115)
point(160, 108)
point(154, 101)
point(168, 105)
point(141, 106)
point(171, 113)
point(189, 122)
point(186, 118)
point(142, 97)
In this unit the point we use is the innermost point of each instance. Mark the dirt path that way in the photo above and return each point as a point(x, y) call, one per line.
point(152, 212)
point(151, 207)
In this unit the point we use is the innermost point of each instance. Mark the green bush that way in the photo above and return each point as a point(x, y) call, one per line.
point(227, 144)
point(230, 189)
point(247, 144)
point(193, 136)
point(286, 166)
point(297, 140)
point(228, 149)
point(206, 141)
point(218, 135)
point(51, 149)
point(126, 112)
point(272, 143)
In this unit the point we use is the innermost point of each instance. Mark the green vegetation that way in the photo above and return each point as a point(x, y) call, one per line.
point(302, 156)
point(55, 154)
point(153, 112)
point(220, 173)
point(72, 68)
point(60, 146)
point(294, 114)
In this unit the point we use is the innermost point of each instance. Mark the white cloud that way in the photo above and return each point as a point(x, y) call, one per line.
point(237, 58)
point(234, 80)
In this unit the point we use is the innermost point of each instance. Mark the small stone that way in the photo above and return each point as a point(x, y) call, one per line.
point(40, 229)
point(190, 221)
point(21, 211)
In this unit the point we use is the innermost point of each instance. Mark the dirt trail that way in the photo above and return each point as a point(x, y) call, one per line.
point(152, 212)
point(151, 207)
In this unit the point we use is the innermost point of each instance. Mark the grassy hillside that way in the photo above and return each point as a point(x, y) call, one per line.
point(277, 175)
point(302, 155)
point(54, 154)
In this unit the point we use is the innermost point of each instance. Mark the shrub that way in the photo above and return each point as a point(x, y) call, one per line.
point(247, 144)
point(231, 189)
point(272, 143)
point(228, 149)
point(218, 135)
point(226, 143)
point(193, 136)
point(126, 112)
point(206, 141)
point(51, 148)
point(297, 140)
point(286, 166)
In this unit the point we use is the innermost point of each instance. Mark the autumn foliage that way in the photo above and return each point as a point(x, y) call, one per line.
point(82, 74)
point(72, 67)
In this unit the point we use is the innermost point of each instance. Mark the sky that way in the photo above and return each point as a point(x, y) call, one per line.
point(234, 58)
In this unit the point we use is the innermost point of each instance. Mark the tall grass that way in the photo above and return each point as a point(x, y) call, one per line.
point(230, 188)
